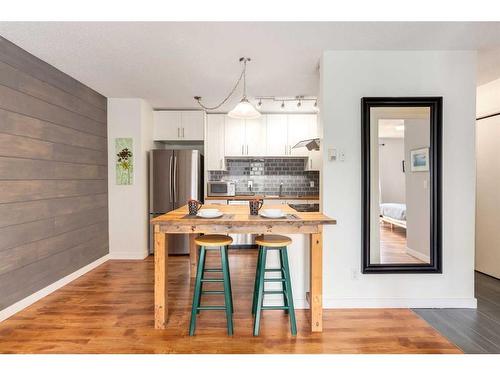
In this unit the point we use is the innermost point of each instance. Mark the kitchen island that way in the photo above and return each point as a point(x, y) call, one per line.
point(236, 219)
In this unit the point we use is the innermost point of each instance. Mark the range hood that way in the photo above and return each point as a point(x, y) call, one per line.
point(310, 144)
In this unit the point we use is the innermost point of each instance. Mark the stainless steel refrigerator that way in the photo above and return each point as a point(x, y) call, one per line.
point(175, 176)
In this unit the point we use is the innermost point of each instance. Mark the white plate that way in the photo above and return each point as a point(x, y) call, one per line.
point(211, 215)
point(273, 216)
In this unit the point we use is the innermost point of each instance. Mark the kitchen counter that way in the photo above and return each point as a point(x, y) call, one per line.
point(236, 219)
point(263, 196)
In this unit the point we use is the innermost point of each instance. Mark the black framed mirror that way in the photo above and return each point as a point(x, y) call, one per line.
point(401, 184)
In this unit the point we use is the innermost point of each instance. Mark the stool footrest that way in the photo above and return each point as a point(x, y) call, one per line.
point(211, 308)
point(212, 270)
point(275, 308)
point(212, 280)
point(273, 280)
point(273, 270)
point(274, 292)
point(212, 292)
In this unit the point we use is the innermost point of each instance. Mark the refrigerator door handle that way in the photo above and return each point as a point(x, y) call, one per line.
point(175, 179)
point(170, 174)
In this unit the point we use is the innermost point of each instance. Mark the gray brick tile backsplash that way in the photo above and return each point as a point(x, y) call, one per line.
point(267, 174)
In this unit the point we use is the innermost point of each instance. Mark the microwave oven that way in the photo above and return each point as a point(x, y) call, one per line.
point(221, 189)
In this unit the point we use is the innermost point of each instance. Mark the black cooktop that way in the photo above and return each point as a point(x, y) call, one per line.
point(305, 207)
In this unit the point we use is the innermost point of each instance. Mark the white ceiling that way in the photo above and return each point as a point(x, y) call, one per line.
point(167, 63)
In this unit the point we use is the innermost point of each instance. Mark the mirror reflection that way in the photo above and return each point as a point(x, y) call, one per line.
point(400, 185)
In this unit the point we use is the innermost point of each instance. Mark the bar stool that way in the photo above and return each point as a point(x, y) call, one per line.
point(214, 242)
point(266, 243)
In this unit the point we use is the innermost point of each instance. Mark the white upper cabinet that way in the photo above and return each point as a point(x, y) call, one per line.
point(166, 125)
point(255, 137)
point(300, 127)
point(214, 142)
point(268, 136)
point(178, 125)
point(277, 135)
point(193, 124)
point(234, 137)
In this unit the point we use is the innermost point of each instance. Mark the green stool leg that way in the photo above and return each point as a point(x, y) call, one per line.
point(260, 292)
point(202, 276)
point(227, 292)
point(283, 284)
point(197, 291)
point(229, 274)
point(293, 323)
point(256, 283)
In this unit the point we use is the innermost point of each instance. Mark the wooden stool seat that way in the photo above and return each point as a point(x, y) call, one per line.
point(272, 240)
point(213, 240)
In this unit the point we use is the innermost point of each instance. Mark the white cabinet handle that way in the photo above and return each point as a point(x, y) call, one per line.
point(178, 132)
point(285, 149)
point(242, 149)
point(310, 164)
point(220, 163)
point(182, 132)
point(247, 149)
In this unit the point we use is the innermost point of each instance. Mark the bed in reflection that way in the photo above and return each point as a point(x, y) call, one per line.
point(393, 214)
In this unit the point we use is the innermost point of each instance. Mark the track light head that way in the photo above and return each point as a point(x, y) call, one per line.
point(299, 104)
point(282, 105)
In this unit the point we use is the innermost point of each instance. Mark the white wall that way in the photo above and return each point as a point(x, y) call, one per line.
point(128, 205)
point(488, 180)
point(346, 77)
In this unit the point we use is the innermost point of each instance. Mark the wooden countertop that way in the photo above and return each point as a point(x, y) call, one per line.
point(263, 196)
point(235, 215)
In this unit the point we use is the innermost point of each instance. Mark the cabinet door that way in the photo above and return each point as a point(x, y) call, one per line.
point(193, 124)
point(166, 125)
point(255, 137)
point(214, 143)
point(234, 135)
point(276, 135)
point(300, 127)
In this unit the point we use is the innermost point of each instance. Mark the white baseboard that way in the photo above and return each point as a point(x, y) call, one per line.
point(25, 302)
point(418, 255)
point(127, 256)
point(410, 303)
point(388, 303)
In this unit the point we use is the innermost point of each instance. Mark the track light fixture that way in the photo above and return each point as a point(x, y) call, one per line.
point(282, 105)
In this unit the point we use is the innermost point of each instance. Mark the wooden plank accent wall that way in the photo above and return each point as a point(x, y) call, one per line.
point(53, 174)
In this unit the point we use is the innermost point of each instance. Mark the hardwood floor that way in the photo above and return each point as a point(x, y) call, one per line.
point(393, 245)
point(473, 330)
point(110, 310)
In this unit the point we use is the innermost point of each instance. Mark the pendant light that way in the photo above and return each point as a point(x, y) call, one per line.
point(244, 109)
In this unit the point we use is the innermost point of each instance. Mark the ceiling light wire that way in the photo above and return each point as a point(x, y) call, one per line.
point(244, 60)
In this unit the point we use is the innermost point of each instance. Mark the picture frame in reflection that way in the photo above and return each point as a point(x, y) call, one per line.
point(419, 159)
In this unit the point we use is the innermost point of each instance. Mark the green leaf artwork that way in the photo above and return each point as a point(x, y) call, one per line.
point(124, 161)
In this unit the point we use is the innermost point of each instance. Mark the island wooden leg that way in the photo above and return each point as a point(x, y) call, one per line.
point(316, 282)
point(161, 279)
point(193, 253)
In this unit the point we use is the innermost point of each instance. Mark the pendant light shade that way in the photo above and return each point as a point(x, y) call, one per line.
point(244, 110)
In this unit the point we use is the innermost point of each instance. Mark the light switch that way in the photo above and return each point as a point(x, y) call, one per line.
point(342, 155)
